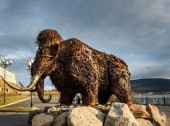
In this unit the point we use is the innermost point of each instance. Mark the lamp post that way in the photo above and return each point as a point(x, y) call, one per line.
point(4, 62)
point(29, 63)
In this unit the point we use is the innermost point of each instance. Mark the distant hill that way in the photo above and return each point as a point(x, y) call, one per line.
point(151, 85)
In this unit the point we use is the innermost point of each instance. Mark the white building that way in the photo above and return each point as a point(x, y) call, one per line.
point(9, 76)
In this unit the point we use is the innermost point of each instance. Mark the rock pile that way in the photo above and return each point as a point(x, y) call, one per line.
point(116, 114)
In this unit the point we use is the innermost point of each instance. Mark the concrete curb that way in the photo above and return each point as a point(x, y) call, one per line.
point(14, 102)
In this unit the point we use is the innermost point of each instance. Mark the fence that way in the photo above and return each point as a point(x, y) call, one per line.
point(153, 101)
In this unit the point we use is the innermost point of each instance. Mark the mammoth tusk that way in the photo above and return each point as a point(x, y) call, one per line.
point(18, 88)
point(32, 90)
point(34, 81)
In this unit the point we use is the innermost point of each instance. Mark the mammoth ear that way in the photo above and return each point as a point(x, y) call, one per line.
point(54, 49)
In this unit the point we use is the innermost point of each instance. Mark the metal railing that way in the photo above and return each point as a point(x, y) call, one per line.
point(153, 101)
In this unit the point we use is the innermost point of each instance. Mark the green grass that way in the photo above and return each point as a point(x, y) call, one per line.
point(11, 99)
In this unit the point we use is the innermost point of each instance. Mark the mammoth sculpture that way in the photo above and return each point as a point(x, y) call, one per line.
point(75, 67)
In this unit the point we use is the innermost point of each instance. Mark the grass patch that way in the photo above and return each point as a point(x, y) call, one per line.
point(12, 99)
point(16, 109)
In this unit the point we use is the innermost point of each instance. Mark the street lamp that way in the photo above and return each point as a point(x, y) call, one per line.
point(4, 62)
point(29, 63)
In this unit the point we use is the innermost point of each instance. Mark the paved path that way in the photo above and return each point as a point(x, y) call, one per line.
point(2, 106)
point(21, 119)
point(36, 102)
point(13, 119)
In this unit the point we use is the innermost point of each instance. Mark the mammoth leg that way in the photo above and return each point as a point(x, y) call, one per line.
point(66, 98)
point(120, 84)
point(89, 98)
point(40, 91)
point(90, 95)
point(123, 90)
point(103, 97)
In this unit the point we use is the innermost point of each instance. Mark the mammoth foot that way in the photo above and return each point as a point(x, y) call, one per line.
point(93, 103)
point(89, 100)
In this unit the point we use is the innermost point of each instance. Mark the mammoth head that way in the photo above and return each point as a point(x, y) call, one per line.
point(48, 37)
point(48, 42)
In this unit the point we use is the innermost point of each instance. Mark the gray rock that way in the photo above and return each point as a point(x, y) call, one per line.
point(46, 108)
point(57, 110)
point(103, 108)
point(61, 120)
point(42, 120)
point(33, 113)
point(144, 122)
point(120, 115)
point(85, 116)
point(157, 118)
point(52, 109)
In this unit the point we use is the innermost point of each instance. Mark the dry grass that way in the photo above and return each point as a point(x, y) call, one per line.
point(15, 109)
point(11, 99)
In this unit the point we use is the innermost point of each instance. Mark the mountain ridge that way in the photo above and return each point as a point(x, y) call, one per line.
point(151, 85)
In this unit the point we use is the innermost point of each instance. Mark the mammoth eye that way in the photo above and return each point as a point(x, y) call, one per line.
point(54, 49)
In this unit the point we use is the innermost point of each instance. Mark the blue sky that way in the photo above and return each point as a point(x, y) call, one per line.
point(135, 30)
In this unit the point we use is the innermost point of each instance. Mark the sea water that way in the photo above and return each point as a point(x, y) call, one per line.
point(152, 96)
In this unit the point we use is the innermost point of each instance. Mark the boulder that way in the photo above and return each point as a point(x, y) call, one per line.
point(120, 115)
point(139, 111)
point(103, 108)
point(157, 118)
point(85, 116)
point(34, 111)
point(144, 122)
point(42, 119)
point(46, 108)
point(54, 111)
point(60, 120)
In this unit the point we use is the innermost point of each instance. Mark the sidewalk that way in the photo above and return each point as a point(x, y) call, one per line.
point(13, 119)
point(20, 118)
point(14, 103)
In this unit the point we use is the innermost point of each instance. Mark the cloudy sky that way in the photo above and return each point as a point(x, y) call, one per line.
point(138, 31)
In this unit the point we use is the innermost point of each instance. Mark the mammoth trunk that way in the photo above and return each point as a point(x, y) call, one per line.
point(38, 69)
point(40, 91)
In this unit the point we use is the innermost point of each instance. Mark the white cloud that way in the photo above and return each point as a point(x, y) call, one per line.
point(134, 30)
